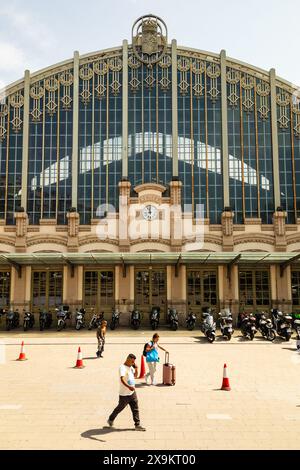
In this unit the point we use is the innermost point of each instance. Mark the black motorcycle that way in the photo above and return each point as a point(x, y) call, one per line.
point(115, 319)
point(265, 326)
point(28, 321)
point(296, 325)
point(191, 321)
point(154, 317)
point(173, 318)
point(45, 320)
point(282, 323)
point(80, 319)
point(135, 319)
point(248, 326)
point(12, 320)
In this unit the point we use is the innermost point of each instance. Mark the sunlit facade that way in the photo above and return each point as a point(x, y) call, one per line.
point(184, 125)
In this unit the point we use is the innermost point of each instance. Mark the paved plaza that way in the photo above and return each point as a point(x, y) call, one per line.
point(47, 404)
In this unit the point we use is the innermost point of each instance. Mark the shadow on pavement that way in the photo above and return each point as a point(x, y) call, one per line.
point(102, 432)
point(291, 349)
point(90, 358)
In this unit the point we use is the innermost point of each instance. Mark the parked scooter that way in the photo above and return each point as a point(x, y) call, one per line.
point(154, 317)
point(80, 319)
point(265, 326)
point(173, 318)
point(12, 320)
point(115, 319)
point(28, 321)
point(62, 315)
point(135, 319)
point(248, 326)
point(226, 324)
point(96, 320)
point(208, 325)
point(191, 321)
point(282, 323)
point(45, 320)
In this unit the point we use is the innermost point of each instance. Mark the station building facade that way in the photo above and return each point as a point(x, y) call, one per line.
point(165, 135)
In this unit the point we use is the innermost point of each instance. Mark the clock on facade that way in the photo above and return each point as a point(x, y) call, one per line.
point(150, 213)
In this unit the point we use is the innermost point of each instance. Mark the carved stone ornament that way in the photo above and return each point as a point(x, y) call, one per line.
point(279, 223)
point(227, 223)
point(73, 224)
point(149, 39)
point(21, 224)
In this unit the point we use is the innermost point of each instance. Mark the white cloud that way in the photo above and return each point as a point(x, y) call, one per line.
point(12, 57)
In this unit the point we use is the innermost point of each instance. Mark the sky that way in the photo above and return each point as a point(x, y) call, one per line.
point(35, 34)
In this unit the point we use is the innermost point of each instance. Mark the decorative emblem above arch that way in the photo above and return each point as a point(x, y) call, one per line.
point(149, 39)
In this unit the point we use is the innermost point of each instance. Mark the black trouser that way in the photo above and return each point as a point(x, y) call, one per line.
point(130, 400)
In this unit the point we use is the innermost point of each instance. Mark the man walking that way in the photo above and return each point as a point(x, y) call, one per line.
point(128, 373)
point(101, 332)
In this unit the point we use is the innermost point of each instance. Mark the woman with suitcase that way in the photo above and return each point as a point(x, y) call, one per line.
point(152, 358)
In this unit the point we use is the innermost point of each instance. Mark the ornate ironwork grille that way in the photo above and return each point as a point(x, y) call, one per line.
point(202, 289)
point(199, 135)
point(254, 289)
point(99, 290)
point(151, 290)
point(296, 288)
point(4, 289)
point(47, 290)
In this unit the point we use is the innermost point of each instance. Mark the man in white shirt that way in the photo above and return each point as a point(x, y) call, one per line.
point(127, 395)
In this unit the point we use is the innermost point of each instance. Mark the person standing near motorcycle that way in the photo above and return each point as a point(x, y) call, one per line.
point(101, 332)
point(127, 395)
point(152, 358)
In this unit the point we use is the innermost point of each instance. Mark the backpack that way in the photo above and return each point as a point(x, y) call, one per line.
point(145, 347)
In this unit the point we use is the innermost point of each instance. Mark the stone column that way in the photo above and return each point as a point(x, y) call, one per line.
point(279, 218)
point(176, 232)
point(284, 289)
point(73, 230)
point(227, 230)
point(124, 189)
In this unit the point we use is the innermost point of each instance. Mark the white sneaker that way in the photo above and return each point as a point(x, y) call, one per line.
point(147, 376)
point(154, 382)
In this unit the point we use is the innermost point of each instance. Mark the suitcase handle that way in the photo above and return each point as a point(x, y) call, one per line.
point(167, 356)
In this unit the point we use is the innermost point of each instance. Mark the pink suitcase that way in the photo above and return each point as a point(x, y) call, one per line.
point(169, 372)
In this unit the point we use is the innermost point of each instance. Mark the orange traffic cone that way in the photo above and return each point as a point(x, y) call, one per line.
point(143, 368)
point(22, 356)
point(79, 363)
point(225, 384)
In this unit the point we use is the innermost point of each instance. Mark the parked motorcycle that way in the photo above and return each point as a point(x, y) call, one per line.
point(12, 320)
point(154, 317)
point(28, 321)
point(45, 320)
point(115, 319)
point(135, 319)
point(62, 315)
point(191, 321)
point(173, 318)
point(265, 326)
point(208, 325)
point(96, 320)
point(226, 324)
point(282, 323)
point(248, 326)
point(80, 319)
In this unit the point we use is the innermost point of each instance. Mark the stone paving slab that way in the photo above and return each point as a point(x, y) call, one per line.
point(46, 404)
